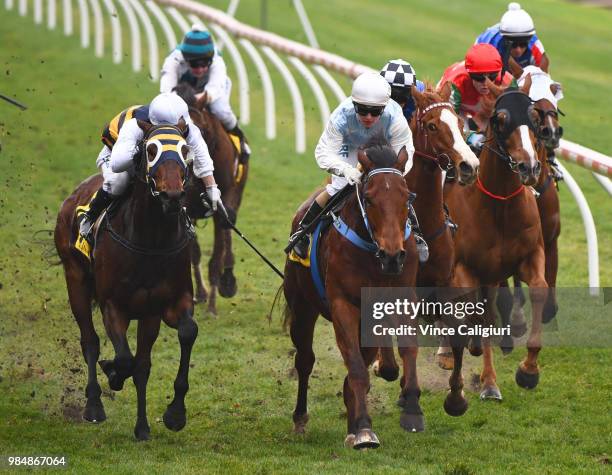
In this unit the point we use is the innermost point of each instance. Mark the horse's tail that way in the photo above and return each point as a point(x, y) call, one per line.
point(277, 298)
point(44, 239)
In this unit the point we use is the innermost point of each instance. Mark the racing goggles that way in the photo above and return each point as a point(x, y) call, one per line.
point(364, 110)
point(480, 77)
point(200, 63)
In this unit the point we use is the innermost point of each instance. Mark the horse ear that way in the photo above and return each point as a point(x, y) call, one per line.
point(445, 91)
point(515, 68)
point(144, 125)
point(494, 88)
point(527, 84)
point(419, 98)
point(182, 125)
point(501, 118)
point(365, 162)
point(402, 159)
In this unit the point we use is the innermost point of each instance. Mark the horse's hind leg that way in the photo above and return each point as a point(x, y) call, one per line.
point(455, 403)
point(80, 294)
point(552, 264)
point(148, 329)
point(488, 376)
point(196, 256)
point(412, 419)
point(175, 416)
point(518, 324)
point(504, 307)
point(302, 329)
point(122, 366)
point(227, 283)
point(385, 365)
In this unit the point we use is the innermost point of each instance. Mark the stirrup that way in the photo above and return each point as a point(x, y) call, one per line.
point(301, 246)
point(422, 248)
point(86, 225)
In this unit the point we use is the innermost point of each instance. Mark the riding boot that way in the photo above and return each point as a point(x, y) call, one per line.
point(421, 244)
point(301, 246)
point(87, 219)
point(245, 150)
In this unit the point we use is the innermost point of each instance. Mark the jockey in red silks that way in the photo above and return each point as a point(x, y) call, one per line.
point(469, 87)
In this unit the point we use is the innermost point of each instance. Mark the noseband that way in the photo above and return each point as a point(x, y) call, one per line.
point(436, 157)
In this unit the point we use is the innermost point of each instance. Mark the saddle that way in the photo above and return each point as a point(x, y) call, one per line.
point(239, 154)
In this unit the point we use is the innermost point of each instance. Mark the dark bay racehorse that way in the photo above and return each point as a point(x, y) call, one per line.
point(500, 235)
point(140, 271)
point(542, 90)
point(345, 268)
point(230, 176)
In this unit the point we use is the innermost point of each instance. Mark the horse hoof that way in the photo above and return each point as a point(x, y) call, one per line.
point(94, 412)
point(506, 344)
point(142, 432)
point(455, 404)
point(526, 380)
point(412, 422)
point(549, 312)
point(115, 382)
point(365, 439)
point(475, 350)
point(384, 372)
point(227, 284)
point(175, 420)
point(518, 330)
point(200, 297)
point(349, 441)
point(490, 393)
point(445, 360)
point(299, 423)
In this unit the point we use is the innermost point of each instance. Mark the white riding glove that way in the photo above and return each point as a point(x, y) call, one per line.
point(215, 196)
point(352, 175)
point(475, 140)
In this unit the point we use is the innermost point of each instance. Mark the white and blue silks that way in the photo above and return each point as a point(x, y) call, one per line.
point(344, 134)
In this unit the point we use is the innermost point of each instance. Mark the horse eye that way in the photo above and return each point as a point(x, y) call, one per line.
point(431, 126)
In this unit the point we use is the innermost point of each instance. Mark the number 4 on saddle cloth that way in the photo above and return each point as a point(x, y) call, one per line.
point(81, 244)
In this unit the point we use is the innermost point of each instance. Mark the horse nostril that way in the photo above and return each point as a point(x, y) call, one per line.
point(465, 168)
point(546, 133)
point(523, 168)
point(381, 254)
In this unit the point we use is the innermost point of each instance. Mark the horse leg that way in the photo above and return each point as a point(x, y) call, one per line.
point(488, 377)
point(148, 329)
point(122, 366)
point(227, 283)
point(214, 265)
point(532, 271)
point(455, 403)
point(385, 365)
point(345, 318)
point(80, 294)
point(196, 257)
point(175, 416)
point(518, 325)
point(412, 419)
point(302, 331)
point(552, 264)
point(504, 307)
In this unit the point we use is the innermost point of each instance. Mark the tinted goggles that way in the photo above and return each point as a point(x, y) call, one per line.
point(200, 63)
point(481, 77)
point(364, 110)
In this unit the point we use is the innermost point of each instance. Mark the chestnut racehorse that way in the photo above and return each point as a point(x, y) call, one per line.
point(500, 235)
point(377, 214)
point(230, 176)
point(140, 270)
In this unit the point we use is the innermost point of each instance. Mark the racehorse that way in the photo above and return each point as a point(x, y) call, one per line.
point(545, 93)
point(500, 234)
point(140, 270)
point(377, 214)
point(230, 176)
point(439, 147)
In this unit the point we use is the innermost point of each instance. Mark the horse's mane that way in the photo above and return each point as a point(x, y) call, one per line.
point(380, 152)
point(186, 92)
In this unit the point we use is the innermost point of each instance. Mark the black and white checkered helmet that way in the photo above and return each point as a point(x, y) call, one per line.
point(399, 73)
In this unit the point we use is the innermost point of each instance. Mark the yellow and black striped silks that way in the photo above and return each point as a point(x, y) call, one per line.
point(111, 131)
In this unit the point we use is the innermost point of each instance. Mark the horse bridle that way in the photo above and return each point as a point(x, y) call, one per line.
point(364, 216)
point(143, 161)
point(436, 157)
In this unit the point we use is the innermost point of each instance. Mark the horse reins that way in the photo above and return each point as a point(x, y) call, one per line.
point(419, 121)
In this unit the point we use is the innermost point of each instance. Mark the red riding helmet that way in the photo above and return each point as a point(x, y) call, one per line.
point(483, 58)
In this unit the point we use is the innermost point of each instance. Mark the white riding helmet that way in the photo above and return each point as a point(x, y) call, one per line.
point(167, 108)
point(371, 89)
point(516, 22)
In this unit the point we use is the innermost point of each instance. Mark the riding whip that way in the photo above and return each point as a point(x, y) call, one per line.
point(14, 102)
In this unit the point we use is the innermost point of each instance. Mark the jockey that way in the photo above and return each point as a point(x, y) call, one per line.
point(367, 112)
point(468, 87)
point(197, 62)
point(121, 139)
point(401, 77)
point(515, 39)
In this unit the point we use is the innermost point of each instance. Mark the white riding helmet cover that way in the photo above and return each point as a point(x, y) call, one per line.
point(371, 89)
point(167, 108)
point(516, 22)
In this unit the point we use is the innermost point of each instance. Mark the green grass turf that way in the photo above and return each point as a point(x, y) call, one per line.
point(242, 392)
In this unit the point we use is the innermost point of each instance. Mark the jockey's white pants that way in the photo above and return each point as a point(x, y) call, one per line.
point(221, 108)
point(114, 183)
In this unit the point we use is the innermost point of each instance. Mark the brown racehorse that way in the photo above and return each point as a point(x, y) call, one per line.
point(345, 269)
point(549, 134)
point(231, 177)
point(140, 271)
point(439, 146)
point(499, 235)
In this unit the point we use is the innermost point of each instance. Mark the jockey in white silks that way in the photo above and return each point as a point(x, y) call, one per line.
point(366, 113)
point(197, 62)
point(121, 139)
